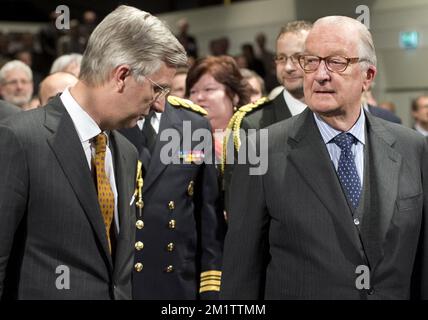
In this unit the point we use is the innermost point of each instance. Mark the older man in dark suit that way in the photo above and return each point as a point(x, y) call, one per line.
point(67, 228)
point(341, 212)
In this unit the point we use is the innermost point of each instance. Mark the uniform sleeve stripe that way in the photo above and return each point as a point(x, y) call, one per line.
point(209, 288)
point(210, 278)
point(211, 273)
point(210, 282)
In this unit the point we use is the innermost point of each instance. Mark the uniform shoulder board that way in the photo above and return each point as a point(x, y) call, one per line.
point(235, 124)
point(179, 102)
point(236, 121)
point(254, 105)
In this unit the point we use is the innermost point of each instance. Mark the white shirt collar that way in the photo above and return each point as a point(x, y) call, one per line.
point(421, 130)
point(85, 126)
point(155, 122)
point(295, 106)
point(328, 133)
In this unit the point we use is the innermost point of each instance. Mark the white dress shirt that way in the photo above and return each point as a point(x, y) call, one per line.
point(155, 121)
point(295, 106)
point(87, 129)
point(358, 131)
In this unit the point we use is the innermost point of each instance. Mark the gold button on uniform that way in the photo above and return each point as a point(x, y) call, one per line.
point(169, 269)
point(171, 205)
point(190, 188)
point(139, 224)
point(140, 204)
point(138, 267)
point(170, 247)
point(139, 245)
point(171, 224)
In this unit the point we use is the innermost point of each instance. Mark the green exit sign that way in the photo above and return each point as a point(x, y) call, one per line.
point(409, 39)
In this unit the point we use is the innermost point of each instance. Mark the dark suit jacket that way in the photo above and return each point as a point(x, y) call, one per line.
point(198, 236)
point(384, 114)
point(50, 213)
point(7, 109)
point(271, 112)
point(291, 232)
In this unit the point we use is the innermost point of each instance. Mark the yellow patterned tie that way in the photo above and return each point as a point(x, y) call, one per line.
point(105, 194)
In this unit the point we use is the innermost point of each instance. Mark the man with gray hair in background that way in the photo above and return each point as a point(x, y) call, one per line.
point(351, 219)
point(68, 229)
point(67, 63)
point(16, 83)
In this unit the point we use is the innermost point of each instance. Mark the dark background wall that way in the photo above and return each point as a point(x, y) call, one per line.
point(38, 10)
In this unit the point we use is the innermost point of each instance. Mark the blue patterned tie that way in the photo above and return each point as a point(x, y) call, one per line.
point(347, 170)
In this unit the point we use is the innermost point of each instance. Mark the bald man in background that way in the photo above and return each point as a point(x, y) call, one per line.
point(54, 84)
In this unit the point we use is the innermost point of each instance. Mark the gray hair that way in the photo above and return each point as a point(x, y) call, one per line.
point(15, 64)
point(133, 37)
point(65, 60)
point(366, 48)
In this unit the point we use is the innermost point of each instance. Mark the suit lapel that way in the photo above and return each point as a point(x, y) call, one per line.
point(385, 165)
point(134, 135)
point(169, 120)
point(310, 157)
point(67, 147)
point(124, 191)
point(281, 108)
point(145, 158)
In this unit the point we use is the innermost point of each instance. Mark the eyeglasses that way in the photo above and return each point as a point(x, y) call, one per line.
point(160, 91)
point(337, 64)
point(283, 58)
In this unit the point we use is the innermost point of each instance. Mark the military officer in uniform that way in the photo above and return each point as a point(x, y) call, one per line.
point(180, 226)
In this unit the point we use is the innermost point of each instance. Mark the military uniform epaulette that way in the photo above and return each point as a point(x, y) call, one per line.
point(235, 124)
point(179, 102)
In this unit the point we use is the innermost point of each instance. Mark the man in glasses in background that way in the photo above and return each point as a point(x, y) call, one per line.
point(290, 101)
point(180, 226)
point(342, 211)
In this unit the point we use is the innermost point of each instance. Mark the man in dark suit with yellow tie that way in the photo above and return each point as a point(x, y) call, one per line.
point(341, 211)
point(67, 228)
